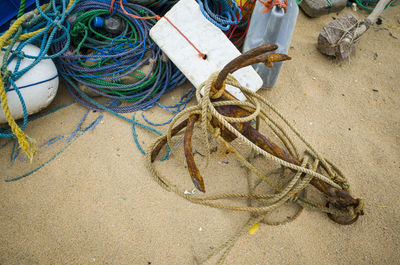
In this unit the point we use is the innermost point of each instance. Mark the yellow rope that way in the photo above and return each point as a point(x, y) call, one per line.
point(25, 142)
point(207, 108)
point(26, 36)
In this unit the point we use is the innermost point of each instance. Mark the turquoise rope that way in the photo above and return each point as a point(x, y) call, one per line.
point(75, 136)
point(132, 121)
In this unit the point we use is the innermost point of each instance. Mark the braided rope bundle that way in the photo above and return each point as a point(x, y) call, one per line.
point(221, 13)
point(232, 17)
point(259, 205)
point(40, 27)
point(101, 61)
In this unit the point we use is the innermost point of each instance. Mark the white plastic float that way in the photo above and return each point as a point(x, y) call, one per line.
point(209, 39)
point(38, 86)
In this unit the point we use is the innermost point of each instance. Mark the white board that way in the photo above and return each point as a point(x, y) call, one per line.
point(209, 39)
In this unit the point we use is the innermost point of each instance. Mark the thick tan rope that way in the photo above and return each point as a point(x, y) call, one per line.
point(266, 203)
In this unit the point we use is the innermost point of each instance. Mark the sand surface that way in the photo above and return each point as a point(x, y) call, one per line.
point(97, 204)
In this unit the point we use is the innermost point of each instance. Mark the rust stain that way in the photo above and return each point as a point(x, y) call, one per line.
point(338, 198)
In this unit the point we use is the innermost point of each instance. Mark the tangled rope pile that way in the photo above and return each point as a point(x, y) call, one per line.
point(127, 66)
point(207, 108)
point(129, 54)
point(43, 27)
point(259, 204)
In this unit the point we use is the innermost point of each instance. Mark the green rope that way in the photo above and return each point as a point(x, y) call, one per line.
point(369, 5)
point(330, 6)
point(21, 8)
point(95, 38)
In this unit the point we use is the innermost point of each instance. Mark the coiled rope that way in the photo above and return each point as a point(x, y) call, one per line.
point(221, 13)
point(38, 27)
point(259, 204)
point(102, 62)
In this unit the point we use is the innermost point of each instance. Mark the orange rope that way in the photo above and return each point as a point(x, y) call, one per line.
point(201, 55)
point(269, 4)
point(112, 6)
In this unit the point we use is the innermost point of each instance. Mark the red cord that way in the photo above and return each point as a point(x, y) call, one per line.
point(112, 6)
point(242, 7)
point(250, 7)
point(156, 4)
point(237, 16)
point(201, 55)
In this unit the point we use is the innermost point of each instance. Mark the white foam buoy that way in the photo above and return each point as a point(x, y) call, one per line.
point(210, 40)
point(38, 86)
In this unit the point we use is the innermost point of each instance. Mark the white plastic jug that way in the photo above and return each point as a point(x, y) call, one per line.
point(275, 27)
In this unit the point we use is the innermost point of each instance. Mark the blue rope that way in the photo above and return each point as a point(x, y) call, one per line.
point(135, 138)
point(181, 105)
point(221, 13)
point(116, 58)
point(51, 19)
point(15, 148)
point(55, 43)
point(25, 121)
point(32, 118)
point(75, 136)
point(37, 83)
point(71, 85)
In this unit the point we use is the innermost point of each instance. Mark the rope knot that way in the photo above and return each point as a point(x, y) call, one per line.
point(217, 132)
point(341, 181)
point(29, 16)
point(58, 24)
point(19, 54)
point(5, 75)
point(216, 93)
point(78, 28)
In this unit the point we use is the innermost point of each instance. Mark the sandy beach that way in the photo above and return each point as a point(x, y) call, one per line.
point(96, 203)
